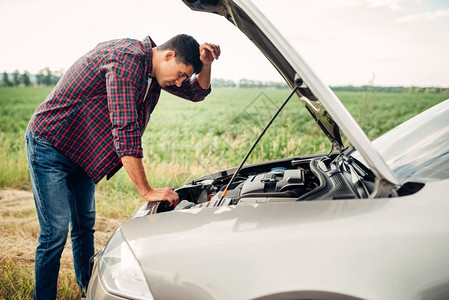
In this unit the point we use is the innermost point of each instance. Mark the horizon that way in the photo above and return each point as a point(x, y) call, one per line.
point(265, 82)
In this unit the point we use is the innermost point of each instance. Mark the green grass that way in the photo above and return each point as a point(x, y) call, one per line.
point(17, 282)
point(184, 140)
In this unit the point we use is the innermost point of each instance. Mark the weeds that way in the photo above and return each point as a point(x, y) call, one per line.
point(17, 282)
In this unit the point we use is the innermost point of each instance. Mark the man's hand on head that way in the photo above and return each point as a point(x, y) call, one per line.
point(209, 52)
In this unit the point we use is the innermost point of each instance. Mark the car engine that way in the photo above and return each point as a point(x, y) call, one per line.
point(337, 176)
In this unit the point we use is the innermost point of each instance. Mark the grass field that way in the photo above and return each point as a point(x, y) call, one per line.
point(187, 139)
point(183, 140)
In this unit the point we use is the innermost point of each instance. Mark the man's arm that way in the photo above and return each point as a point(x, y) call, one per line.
point(134, 168)
point(208, 53)
point(126, 131)
point(197, 88)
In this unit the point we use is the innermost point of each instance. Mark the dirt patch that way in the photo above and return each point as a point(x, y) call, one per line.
point(19, 229)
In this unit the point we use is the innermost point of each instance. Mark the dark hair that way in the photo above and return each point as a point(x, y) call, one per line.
point(187, 50)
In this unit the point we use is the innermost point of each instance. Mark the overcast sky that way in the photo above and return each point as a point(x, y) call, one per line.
point(392, 42)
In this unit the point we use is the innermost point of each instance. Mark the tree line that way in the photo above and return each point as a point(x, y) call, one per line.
point(44, 77)
point(247, 83)
point(47, 77)
point(393, 89)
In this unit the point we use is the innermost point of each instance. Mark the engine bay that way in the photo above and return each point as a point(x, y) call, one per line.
point(319, 177)
point(296, 179)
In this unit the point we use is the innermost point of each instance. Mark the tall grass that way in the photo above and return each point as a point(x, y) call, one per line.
point(184, 140)
point(16, 107)
point(13, 163)
point(17, 282)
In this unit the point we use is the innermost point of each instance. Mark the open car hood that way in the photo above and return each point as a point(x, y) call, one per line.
point(318, 98)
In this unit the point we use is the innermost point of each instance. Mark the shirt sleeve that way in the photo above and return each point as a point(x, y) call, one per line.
point(190, 89)
point(127, 135)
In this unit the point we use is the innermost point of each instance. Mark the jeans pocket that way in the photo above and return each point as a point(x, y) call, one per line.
point(42, 141)
point(30, 147)
point(41, 149)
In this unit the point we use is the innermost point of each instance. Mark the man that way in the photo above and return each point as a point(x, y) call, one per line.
point(89, 126)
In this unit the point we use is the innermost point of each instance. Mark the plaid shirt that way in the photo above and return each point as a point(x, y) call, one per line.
point(97, 112)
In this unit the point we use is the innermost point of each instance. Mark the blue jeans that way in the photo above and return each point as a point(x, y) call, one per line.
point(63, 195)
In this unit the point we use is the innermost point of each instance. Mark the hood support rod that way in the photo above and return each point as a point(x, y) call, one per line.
point(257, 141)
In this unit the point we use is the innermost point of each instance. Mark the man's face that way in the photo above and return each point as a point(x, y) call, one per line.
point(172, 73)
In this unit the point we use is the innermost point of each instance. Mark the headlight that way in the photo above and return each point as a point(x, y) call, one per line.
point(119, 271)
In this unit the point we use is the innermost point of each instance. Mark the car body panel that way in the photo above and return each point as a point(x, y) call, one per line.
point(408, 147)
point(318, 98)
point(372, 249)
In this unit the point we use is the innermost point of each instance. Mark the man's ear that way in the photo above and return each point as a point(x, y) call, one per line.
point(169, 55)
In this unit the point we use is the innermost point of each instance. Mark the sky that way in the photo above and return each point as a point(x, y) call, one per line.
point(346, 42)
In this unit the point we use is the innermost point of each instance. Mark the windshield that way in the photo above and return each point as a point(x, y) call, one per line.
point(418, 149)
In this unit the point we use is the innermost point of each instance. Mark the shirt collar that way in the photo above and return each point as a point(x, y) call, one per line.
point(149, 44)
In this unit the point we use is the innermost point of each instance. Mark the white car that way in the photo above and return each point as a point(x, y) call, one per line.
point(369, 221)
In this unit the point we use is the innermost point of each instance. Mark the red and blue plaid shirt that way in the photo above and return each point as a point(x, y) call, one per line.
point(97, 112)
